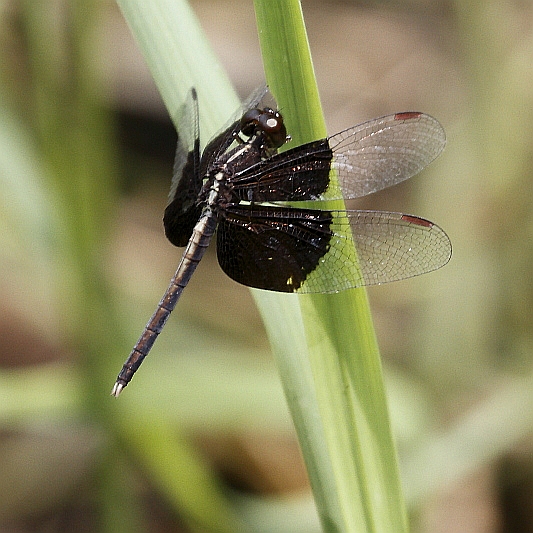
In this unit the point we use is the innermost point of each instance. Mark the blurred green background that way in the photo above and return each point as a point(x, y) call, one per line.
point(202, 441)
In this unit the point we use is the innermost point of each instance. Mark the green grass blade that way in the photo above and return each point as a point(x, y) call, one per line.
point(329, 360)
point(179, 57)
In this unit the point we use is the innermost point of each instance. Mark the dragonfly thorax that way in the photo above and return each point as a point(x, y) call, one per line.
point(217, 191)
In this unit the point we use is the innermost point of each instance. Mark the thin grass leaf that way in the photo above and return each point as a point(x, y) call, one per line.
point(333, 379)
point(179, 57)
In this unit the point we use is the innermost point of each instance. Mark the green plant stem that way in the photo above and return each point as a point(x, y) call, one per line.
point(339, 408)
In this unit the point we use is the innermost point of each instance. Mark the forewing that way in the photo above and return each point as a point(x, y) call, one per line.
point(182, 212)
point(187, 158)
point(385, 151)
point(310, 251)
point(366, 158)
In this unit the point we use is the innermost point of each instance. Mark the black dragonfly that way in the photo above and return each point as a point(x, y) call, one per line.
point(240, 184)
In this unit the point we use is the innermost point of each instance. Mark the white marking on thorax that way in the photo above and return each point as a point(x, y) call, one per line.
point(220, 178)
point(239, 153)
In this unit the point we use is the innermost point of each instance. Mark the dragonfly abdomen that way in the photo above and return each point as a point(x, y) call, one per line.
point(201, 236)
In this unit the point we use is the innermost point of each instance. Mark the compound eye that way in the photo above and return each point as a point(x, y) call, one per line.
point(271, 122)
point(250, 121)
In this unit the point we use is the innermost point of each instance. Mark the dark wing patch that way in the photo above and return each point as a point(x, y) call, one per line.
point(301, 173)
point(272, 248)
point(181, 213)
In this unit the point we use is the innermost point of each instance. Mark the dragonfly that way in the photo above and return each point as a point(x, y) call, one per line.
point(244, 189)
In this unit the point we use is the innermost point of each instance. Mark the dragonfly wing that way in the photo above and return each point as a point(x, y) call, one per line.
point(385, 151)
point(395, 246)
point(389, 247)
point(310, 251)
point(366, 158)
point(187, 149)
point(181, 213)
point(189, 171)
point(302, 173)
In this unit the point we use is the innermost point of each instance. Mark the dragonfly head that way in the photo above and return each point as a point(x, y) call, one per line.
point(266, 123)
